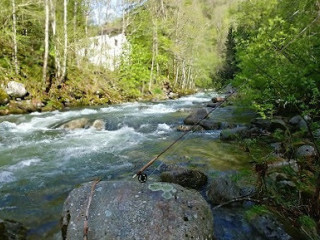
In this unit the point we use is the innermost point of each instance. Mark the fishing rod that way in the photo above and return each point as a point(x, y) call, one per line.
point(142, 177)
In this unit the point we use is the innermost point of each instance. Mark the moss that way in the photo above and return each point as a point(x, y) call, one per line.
point(306, 221)
point(166, 188)
point(255, 211)
point(53, 105)
point(4, 98)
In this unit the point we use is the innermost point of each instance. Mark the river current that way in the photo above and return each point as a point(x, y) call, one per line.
point(40, 164)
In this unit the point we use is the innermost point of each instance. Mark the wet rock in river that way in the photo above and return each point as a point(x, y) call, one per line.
point(209, 124)
point(12, 230)
point(234, 133)
point(98, 124)
point(76, 124)
point(131, 210)
point(267, 225)
point(227, 187)
point(217, 99)
point(187, 128)
point(196, 116)
point(185, 177)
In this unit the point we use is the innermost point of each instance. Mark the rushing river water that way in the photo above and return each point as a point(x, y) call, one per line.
point(40, 164)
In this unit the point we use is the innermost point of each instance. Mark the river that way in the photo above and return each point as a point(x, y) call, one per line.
point(40, 164)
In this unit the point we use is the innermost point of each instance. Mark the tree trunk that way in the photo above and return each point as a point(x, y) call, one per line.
point(65, 48)
point(55, 39)
point(14, 29)
point(177, 77)
point(46, 42)
point(75, 11)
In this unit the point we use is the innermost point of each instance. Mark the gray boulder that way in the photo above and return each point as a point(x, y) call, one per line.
point(98, 124)
point(185, 177)
point(227, 187)
point(270, 125)
point(76, 124)
point(209, 124)
point(298, 122)
point(305, 151)
point(195, 116)
point(12, 230)
point(261, 123)
point(15, 89)
point(234, 133)
point(268, 226)
point(131, 210)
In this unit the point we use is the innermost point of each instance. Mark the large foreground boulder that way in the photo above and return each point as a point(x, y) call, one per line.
point(15, 89)
point(131, 210)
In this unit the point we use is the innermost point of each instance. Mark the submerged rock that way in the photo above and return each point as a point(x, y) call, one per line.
point(188, 178)
point(76, 124)
point(267, 225)
point(227, 187)
point(234, 133)
point(12, 230)
point(131, 210)
point(15, 89)
point(196, 116)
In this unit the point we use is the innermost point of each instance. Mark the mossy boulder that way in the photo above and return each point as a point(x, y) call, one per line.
point(185, 177)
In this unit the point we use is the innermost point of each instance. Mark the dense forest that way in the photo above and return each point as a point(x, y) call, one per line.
point(267, 50)
point(180, 43)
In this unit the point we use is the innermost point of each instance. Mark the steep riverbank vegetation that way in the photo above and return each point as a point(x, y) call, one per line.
point(172, 46)
point(275, 52)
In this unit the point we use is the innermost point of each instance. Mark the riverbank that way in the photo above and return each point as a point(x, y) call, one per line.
point(16, 98)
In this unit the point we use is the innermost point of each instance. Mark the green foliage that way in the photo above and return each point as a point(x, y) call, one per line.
point(307, 221)
point(4, 98)
point(278, 55)
point(256, 210)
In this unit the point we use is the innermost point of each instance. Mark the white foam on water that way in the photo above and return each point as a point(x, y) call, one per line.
point(88, 111)
point(24, 164)
point(157, 109)
point(41, 121)
point(36, 113)
point(5, 125)
point(110, 109)
point(6, 177)
point(83, 142)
